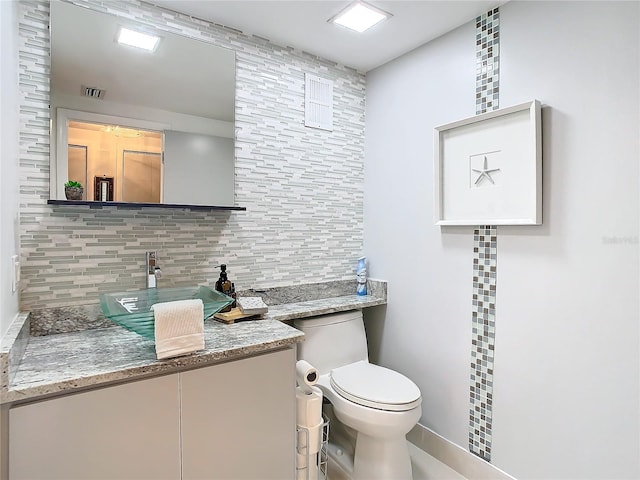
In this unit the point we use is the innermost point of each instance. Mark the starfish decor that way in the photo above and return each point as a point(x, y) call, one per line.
point(485, 172)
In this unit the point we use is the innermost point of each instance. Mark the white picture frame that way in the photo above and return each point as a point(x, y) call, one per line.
point(488, 168)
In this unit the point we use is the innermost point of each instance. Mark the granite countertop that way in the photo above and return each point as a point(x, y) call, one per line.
point(36, 365)
point(70, 361)
point(323, 306)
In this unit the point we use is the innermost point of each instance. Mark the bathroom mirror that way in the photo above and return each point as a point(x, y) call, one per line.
point(182, 92)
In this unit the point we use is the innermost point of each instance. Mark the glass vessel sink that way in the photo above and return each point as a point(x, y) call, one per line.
point(132, 310)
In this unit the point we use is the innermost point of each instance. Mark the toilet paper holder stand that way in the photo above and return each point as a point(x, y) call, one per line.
point(303, 472)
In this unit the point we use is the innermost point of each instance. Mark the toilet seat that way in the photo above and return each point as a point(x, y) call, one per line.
point(376, 387)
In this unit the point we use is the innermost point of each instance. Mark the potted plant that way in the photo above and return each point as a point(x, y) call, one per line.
point(73, 190)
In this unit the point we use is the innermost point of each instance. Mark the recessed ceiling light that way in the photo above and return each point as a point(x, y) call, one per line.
point(360, 16)
point(137, 39)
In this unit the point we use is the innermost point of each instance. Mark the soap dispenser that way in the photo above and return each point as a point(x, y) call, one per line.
point(225, 286)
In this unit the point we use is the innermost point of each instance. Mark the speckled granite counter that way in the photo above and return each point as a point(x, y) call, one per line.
point(310, 308)
point(71, 361)
point(34, 367)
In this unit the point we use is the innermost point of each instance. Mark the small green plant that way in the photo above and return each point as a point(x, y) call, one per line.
point(72, 183)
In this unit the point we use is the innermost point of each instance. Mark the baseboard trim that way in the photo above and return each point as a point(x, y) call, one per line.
point(455, 457)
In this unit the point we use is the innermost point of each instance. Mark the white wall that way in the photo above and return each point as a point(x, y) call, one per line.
point(8, 160)
point(426, 333)
point(567, 361)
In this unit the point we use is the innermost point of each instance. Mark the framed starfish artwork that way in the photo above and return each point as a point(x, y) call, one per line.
point(488, 168)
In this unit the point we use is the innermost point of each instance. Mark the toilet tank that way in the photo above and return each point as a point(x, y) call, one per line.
point(331, 341)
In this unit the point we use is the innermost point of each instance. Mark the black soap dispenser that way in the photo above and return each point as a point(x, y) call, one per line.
point(225, 286)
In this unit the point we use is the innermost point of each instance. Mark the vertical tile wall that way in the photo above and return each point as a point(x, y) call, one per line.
point(302, 187)
point(484, 255)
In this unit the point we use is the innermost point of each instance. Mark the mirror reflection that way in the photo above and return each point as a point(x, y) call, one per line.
point(115, 163)
point(139, 126)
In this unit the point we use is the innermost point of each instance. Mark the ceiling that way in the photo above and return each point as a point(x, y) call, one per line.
point(84, 53)
point(303, 25)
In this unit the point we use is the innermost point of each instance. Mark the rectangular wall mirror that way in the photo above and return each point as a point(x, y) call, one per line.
point(139, 126)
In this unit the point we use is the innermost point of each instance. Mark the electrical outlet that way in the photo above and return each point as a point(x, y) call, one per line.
point(15, 277)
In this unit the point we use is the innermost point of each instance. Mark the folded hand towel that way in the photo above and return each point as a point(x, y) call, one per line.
point(179, 327)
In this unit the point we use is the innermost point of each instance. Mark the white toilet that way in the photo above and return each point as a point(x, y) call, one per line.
point(379, 404)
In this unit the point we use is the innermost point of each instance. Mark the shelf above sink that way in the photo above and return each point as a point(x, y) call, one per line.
point(96, 204)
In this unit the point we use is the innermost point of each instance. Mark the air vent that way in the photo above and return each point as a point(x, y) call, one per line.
point(318, 96)
point(93, 92)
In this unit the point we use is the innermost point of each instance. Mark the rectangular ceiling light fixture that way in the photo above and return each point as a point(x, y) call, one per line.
point(137, 39)
point(360, 16)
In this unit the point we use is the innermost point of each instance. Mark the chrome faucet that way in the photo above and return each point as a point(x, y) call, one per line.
point(153, 270)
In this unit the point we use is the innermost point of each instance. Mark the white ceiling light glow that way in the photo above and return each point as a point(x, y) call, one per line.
point(360, 16)
point(137, 39)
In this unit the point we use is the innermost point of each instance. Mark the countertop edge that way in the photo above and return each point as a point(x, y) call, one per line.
point(12, 348)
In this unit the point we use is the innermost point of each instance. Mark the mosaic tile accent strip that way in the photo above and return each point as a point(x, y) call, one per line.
point(487, 61)
point(302, 187)
point(483, 339)
point(484, 255)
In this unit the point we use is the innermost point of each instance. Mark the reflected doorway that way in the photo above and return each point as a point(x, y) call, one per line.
point(141, 173)
point(124, 164)
point(78, 165)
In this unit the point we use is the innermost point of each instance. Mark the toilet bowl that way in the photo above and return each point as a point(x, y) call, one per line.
point(382, 424)
point(379, 404)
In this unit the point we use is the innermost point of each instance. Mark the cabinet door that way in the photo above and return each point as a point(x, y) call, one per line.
point(238, 419)
point(129, 431)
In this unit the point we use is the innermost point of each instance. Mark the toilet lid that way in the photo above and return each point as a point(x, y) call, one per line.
point(376, 387)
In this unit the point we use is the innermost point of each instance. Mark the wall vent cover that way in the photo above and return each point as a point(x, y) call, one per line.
point(93, 92)
point(318, 102)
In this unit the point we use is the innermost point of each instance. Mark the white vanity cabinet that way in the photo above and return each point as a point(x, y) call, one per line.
point(121, 432)
point(238, 419)
point(233, 420)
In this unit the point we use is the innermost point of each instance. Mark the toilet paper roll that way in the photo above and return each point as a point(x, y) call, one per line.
point(312, 435)
point(306, 374)
point(308, 407)
point(315, 439)
point(306, 467)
